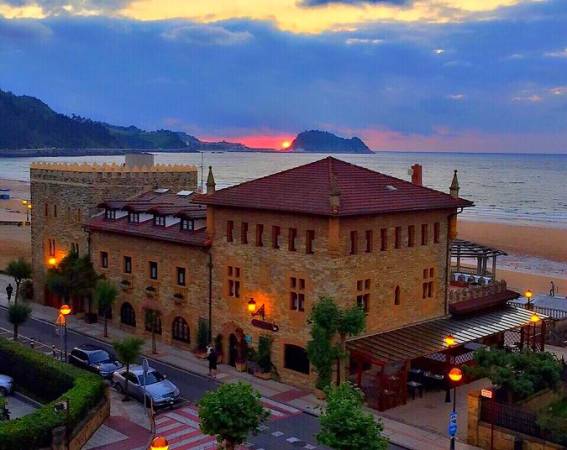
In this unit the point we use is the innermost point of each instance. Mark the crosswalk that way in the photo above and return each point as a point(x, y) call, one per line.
point(181, 426)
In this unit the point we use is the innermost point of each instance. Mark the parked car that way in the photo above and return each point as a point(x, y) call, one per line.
point(162, 391)
point(95, 359)
point(6, 385)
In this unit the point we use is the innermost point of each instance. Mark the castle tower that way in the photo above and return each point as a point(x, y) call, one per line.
point(65, 195)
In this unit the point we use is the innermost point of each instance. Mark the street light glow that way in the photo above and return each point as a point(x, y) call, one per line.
point(455, 374)
point(65, 310)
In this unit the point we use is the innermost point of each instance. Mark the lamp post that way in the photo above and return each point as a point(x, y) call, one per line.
point(159, 443)
point(52, 262)
point(449, 342)
point(455, 375)
point(534, 319)
point(65, 310)
point(529, 294)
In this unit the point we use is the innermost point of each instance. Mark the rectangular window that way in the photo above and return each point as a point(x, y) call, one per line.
point(51, 243)
point(233, 276)
point(398, 237)
point(244, 233)
point(424, 234)
point(46, 210)
point(295, 358)
point(292, 236)
point(297, 294)
point(110, 214)
point(309, 238)
point(363, 294)
point(127, 264)
point(229, 230)
point(275, 236)
point(159, 221)
point(187, 225)
point(181, 276)
point(427, 286)
point(411, 236)
point(75, 247)
point(369, 238)
point(353, 242)
point(383, 239)
point(54, 210)
point(153, 270)
point(436, 232)
point(259, 235)
point(134, 217)
point(104, 260)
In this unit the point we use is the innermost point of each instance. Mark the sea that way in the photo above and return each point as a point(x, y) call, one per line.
point(520, 188)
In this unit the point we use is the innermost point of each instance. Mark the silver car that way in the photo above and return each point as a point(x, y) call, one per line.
point(6, 385)
point(162, 391)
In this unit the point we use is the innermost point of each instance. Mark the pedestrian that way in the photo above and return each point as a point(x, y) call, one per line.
point(212, 358)
point(552, 290)
point(9, 290)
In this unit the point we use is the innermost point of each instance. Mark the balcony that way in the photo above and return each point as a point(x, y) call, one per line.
point(472, 299)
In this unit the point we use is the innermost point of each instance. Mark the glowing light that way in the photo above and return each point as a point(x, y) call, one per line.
point(455, 374)
point(65, 310)
point(449, 341)
point(286, 144)
point(159, 443)
point(529, 294)
point(52, 261)
point(534, 318)
point(251, 306)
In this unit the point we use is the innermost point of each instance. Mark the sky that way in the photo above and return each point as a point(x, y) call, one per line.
point(406, 75)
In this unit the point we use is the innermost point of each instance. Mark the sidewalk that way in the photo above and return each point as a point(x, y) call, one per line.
point(399, 433)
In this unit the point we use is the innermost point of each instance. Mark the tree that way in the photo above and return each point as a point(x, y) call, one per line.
point(19, 270)
point(329, 322)
point(73, 277)
point(105, 294)
point(18, 313)
point(519, 374)
point(128, 351)
point(152, 317)
point(230, 413)
point(344, 424)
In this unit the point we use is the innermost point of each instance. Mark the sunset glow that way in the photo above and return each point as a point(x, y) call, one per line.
point(286, 145)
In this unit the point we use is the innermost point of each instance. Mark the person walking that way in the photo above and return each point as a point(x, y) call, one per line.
point(212, 357)
point(9, 290)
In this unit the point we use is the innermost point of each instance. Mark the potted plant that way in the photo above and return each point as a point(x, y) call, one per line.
point(264, 358)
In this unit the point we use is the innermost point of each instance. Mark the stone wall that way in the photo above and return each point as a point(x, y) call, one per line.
point(96, 417)
point(64, 196)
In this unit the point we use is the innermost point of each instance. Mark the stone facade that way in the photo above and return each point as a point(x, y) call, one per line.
point(64, 196)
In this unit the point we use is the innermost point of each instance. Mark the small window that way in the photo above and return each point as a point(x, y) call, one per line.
point(363, 294)
point(180, 330)
point(353, 242)
point(397, 296)
point(229, 230)
point(424, 234)
point(54, 210)
point(159, 220)
point(369, 238)
point(383, 239)
point(153, 270)
point(309, 239)
point(127, 315)
point(292, 236)
point(104, 260)
point(134, 217)
point(428, 283)
point(244, 233)
point(46, 210)
point(295, 358)
point(436, 232)
point(297, 294)
point(411, 236)
point(127, 264)
point(233, 282)
point(398, 237)
point(110, 214)
point(51, 243)
point(187, 225)
point(259, 235)
point(75, 247)
point(275, 236)
point(181, 276)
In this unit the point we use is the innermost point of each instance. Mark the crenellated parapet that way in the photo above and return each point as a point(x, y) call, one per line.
point(86, 167)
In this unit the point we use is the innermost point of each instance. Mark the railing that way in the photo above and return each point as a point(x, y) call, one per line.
point(511, 417)
point(472, 292)
point(557, 314)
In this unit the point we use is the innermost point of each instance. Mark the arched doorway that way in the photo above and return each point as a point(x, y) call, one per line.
point(232, 349)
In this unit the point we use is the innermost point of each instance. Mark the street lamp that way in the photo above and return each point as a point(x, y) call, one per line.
point(64, 311)
point(159, 443)
point(534, 319)
point(449, 342)
point(52, 262)
point(252, 306)
point(455, 375)
point(529, 294)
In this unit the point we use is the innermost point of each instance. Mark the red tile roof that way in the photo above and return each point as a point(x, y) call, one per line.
point(307, 189)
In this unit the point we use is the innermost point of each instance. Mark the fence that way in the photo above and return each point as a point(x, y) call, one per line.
point(556, 314)
point(511, 417)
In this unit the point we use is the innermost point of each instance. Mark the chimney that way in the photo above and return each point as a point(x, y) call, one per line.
point(416, 174)
point(210, 182)
point(454, 189)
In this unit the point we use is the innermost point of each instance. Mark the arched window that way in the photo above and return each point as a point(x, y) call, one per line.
point(153, 319)
point(295, 358)
point(127, 315)
point(180, 330)
point(397, 296)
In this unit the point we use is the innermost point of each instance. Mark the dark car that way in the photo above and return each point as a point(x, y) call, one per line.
point(95, 359)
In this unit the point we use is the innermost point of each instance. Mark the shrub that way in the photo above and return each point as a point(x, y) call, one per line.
point(553, 420)
point(264, 356)
point(50, 381)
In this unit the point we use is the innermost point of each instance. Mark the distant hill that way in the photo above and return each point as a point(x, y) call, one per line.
point(315, 141)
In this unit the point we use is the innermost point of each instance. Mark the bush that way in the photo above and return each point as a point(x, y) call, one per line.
point(553, 420)
point(264, 356)
point(50, 381)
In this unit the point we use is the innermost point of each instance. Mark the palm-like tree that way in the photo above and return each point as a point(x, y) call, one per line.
point(128, 351)
point(17, 315)
point(105, 294)
point(19, 270)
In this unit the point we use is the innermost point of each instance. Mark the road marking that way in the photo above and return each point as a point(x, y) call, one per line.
point(281, 406)
point(277, 434)
point(292, 440)
point(184, 420)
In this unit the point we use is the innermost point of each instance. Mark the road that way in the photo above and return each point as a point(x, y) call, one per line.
point(303, 427)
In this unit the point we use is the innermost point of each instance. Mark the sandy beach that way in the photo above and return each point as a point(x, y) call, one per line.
point(15, 238)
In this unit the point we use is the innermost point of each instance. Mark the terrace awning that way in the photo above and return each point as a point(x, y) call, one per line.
point(467, 249)
point(423, 339)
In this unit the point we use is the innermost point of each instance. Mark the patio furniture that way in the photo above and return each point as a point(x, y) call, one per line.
point(413, 387)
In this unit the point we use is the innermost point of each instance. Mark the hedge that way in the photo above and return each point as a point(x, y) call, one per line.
point(49, 381)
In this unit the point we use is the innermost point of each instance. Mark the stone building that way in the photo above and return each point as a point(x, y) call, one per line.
point(270, 248)
point(64, 196)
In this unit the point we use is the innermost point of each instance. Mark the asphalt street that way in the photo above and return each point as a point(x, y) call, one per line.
point(303, 427)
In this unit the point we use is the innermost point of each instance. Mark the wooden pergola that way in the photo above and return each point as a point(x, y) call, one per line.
point(467, 249)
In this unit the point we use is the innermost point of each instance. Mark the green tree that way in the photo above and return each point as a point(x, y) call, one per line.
point(520, 374)
point(18, 313)
point(329, 324)
point(105, 294)
point(128, 351)
point(344, 424)
point(74, 277)
point(230, 413)
point(19, 270)
point(152, 317)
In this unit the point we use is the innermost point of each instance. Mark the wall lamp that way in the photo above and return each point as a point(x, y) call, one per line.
point(252, 309)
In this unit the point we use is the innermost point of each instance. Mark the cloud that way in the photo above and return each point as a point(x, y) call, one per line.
point(363, 41)
point(11, 31)
point(559, 90)
point(456, 97)
point(356, 2)
point(557, 54)
point(206, 35)
point(534, 98)
point(79, 7)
